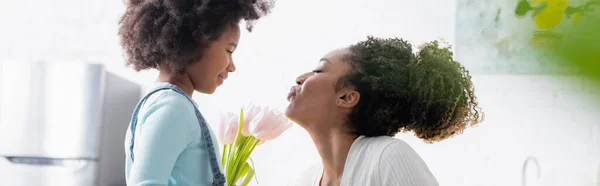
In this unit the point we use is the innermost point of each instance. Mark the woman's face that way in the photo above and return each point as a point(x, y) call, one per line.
point(216, 63)
point(314, 99)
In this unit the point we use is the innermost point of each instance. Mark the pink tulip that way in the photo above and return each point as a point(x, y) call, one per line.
point(268, 124)
point(228, 127)
point(250, 112)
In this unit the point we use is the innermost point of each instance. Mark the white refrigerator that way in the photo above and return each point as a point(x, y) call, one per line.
point(63, 124)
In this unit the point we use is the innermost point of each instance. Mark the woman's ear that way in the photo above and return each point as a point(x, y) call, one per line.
point(348, 98)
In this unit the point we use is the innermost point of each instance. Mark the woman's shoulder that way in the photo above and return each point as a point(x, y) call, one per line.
point(386, 160)
point(384, 148)
point(367, 152)
point(380, 144)
point(400, 164)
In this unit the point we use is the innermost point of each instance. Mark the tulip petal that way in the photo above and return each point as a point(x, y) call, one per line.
point(250, 112)
point(228, 127)
point(268, 124)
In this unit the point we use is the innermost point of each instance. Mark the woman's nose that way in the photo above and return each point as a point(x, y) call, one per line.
point(300, 79)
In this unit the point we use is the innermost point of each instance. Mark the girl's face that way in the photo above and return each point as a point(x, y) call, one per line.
point(216, 63)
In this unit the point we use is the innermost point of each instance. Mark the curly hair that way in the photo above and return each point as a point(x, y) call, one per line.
point(176, 32)
point(427, 93)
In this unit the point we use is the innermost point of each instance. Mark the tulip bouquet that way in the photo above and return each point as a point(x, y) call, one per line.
point(241, 132)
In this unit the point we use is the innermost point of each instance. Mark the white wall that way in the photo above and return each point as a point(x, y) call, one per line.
point(526, 114)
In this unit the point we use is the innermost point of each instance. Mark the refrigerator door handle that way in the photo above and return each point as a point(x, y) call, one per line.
point(75, 164)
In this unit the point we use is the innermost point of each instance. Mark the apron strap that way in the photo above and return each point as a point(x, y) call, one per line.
point(218, 177)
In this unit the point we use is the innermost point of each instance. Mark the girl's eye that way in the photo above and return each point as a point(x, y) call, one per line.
point(317, 71)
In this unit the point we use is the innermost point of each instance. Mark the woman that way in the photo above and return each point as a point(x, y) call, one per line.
point(190, 43)
point(359, 97)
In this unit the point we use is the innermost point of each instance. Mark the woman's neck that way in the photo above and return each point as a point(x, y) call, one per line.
point(183, 81)
point(333, 146)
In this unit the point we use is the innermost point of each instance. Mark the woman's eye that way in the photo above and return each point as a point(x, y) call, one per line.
point(229, 51)
point(317, 71)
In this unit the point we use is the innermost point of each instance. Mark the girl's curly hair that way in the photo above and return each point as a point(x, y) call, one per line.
point(176, 32)
point(427, 93)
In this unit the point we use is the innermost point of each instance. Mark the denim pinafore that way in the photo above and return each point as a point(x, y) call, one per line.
point(218, 177)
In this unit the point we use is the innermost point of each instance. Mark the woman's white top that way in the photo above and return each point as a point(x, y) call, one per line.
point(377, 161)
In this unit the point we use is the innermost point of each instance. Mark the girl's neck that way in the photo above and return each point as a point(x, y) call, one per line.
point(183, 81)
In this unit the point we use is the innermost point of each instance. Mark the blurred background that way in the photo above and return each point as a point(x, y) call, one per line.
point(63, 60)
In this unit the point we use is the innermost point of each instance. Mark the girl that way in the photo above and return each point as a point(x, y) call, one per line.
point(190, 42)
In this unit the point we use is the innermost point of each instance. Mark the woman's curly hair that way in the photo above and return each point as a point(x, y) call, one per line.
point(176, 32)
point(427, 93)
